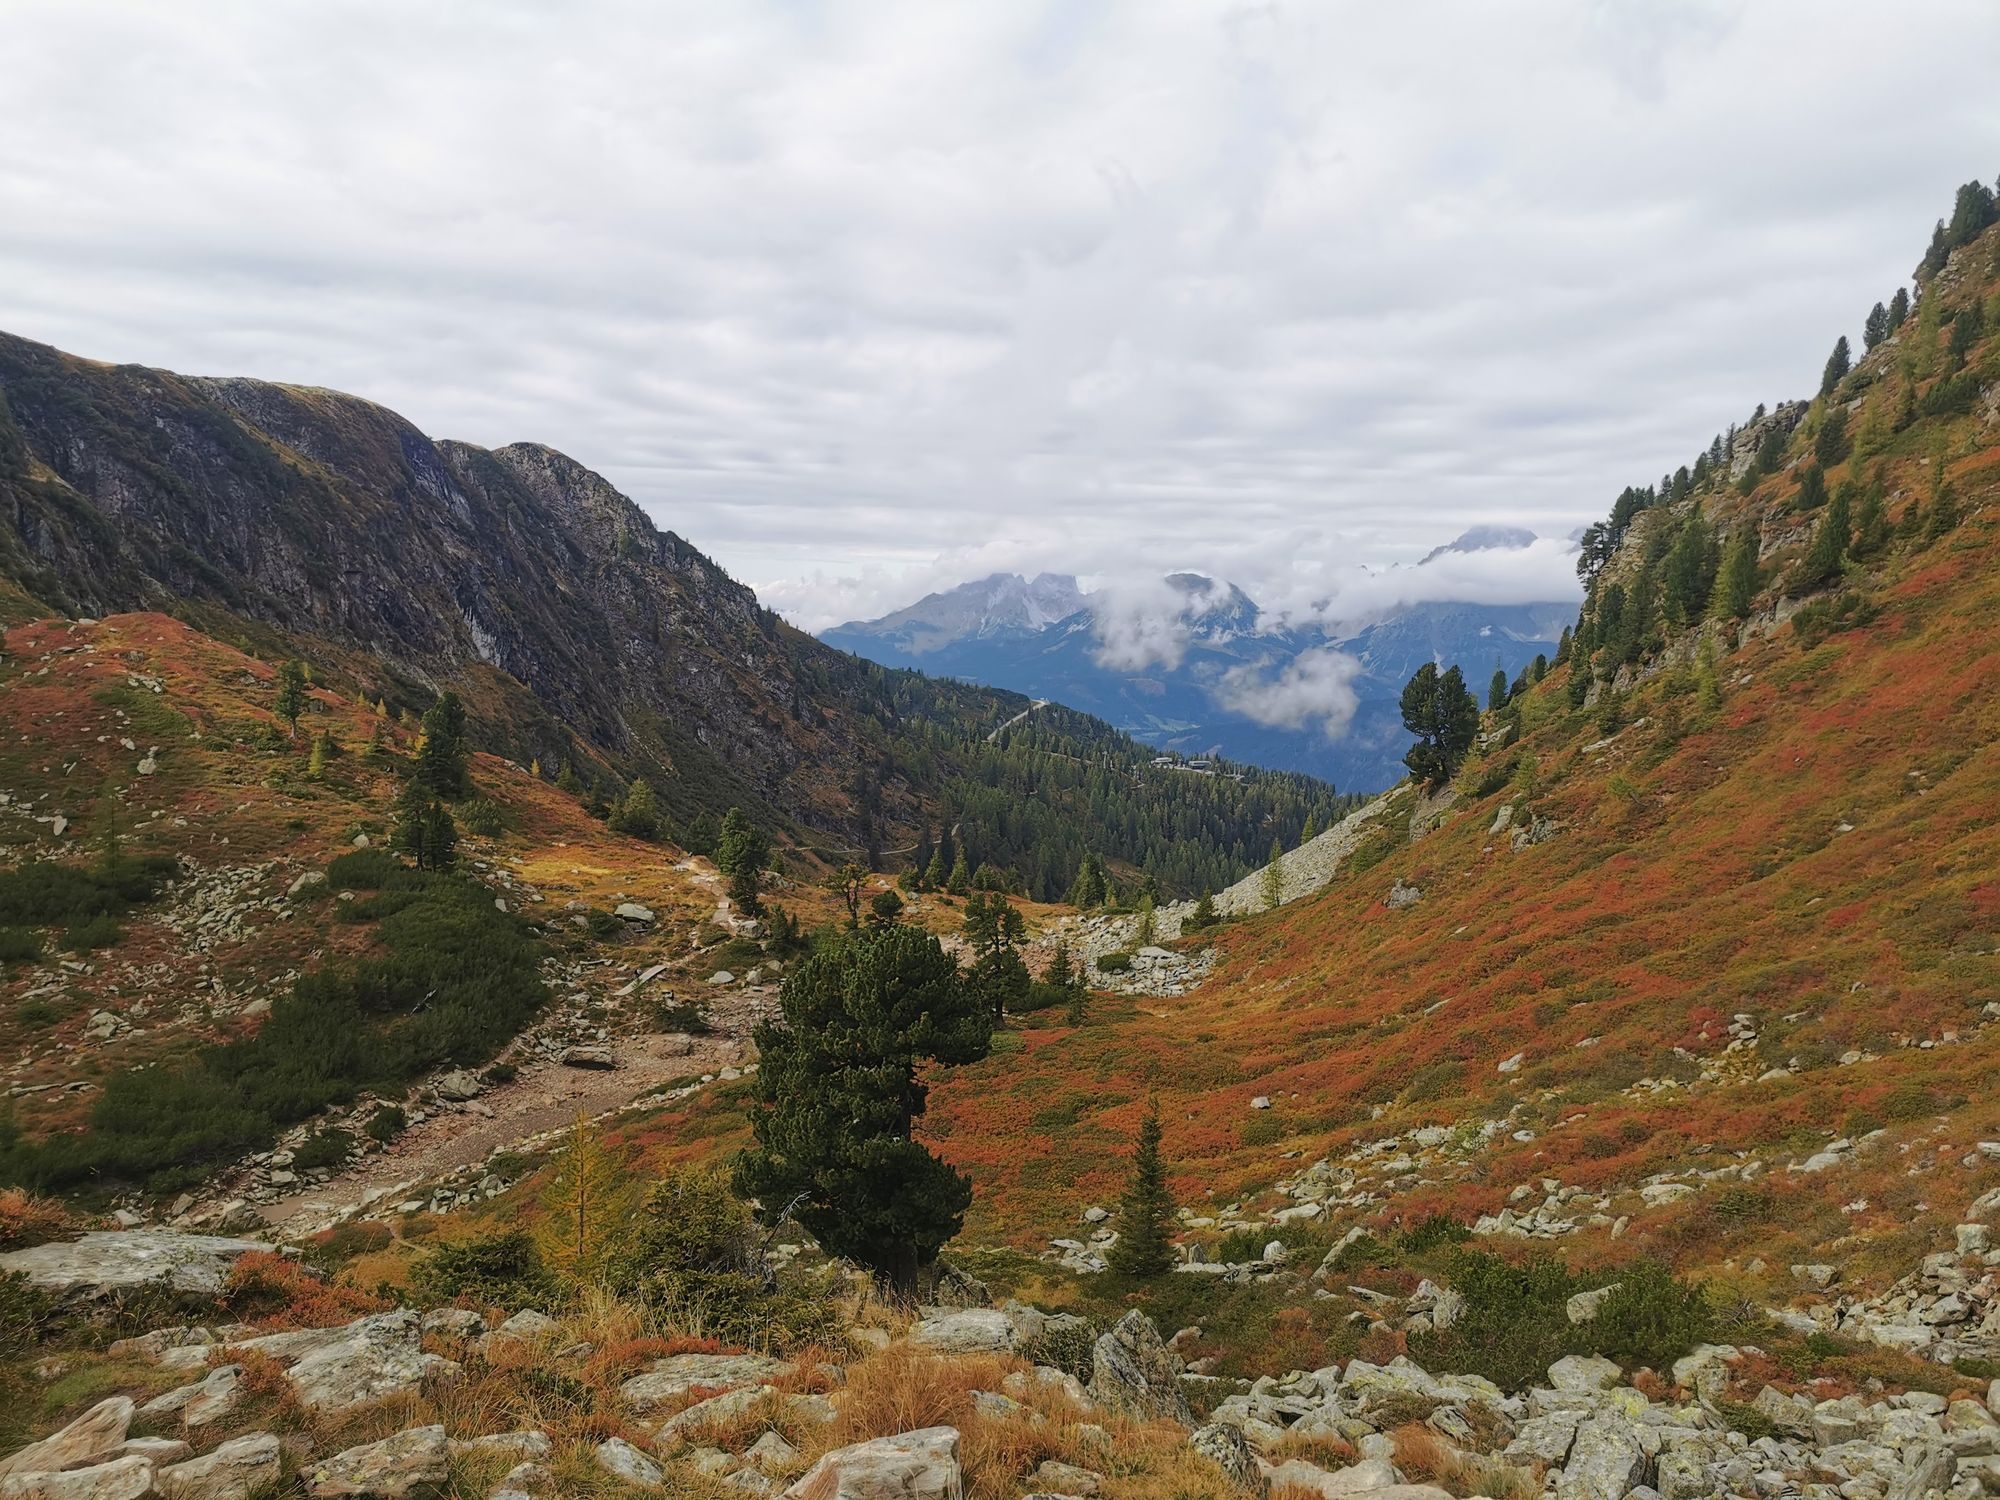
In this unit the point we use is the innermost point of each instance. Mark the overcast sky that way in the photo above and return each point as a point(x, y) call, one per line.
point(864, 298)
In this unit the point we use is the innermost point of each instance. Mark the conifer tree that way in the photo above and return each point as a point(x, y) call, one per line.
point(1143, 934)
point(742, 854)
point(316, 762)
point(1876, 328)
point(1311, 830)
point(1812, 488)
point(1837, 365)
point(885, 908)
point(1203, 914)
point(1496, 691)
point(1899, 309)
point(1271, 886)
point(837, 1097)
point(848, 882)
point(637, 813)
point(1823, 561)
point(291, 699)
point(936, 873)
point(1439, 711)
point(1689, 575)
point(1145, 1213)
point(441, 747)
point(960, 879)
point(1831, 446)
point(567, 781)
point(1871, 524)
point(582, 1203)
point(1736, 585)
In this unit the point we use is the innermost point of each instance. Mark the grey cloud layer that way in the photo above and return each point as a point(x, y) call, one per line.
point(868, 296)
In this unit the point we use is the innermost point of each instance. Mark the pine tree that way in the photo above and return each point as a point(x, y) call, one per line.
point(637, 813)
point(936, 873)
point(1087, 890)
point(567, 780)
point(837, 1097)
point(848, 882)
point(960, 879)
point(1736, 585)
point(1824, 560)
point(1689, 575)
point(1311, 829)
point(316, 762)
point(1837, 365)
point(1271, 885)
point(440, 838)
point(1871, 524)
point(1439, 711)
point(1145, 1213)
point(1876, 328)
point(582, 1202)
point(742, 853)
point(291, 699)
point(1831, 446)
point(1899, 309)
point(1144, 933)
point(1812, 488)
point(885, 908)
point(441, 750)
point(1203, 914)
point(1496, 691)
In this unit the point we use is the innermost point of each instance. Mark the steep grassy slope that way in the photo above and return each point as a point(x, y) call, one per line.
point(1763, 912)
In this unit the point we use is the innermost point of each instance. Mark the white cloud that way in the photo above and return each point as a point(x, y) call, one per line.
point(838, 289)
point(1145, 623)
point(1314, 686)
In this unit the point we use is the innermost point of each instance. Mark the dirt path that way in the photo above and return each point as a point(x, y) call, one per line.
point(544, 1096)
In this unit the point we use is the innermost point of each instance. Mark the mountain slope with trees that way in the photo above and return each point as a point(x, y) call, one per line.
point(308, 523)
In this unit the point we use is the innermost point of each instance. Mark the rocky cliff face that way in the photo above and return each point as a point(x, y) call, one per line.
point(329, 517)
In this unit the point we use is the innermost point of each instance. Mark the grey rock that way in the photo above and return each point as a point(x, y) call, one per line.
point(970, 1330)
point(396, 1466)
point(1132, 1370)
point(1222, 1445)
point(120, 1479)
point(95, 1435)
point(920, 1465)
point(620, 1459)
point(234, 1471)
point(1576, 1373)
point(677, 1374)
point(109, 1262)
point(1605, 1463)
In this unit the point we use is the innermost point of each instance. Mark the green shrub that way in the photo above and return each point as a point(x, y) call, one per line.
point(95, 933)
point(1652, 1318)
point(494, 1270)
point(1262, 1129)
point(1516, 1319)
point(19, 945)
point(482, 816)
point(692, 1258)
point(324, 1148)
point(1066, 1343)
point(674, 1014)
point(363, 870)
point(502, 1072)
point(1114, 963)
point(455, 978)
point(27, 1314)
point(602, 924)
point(387, 1122)
point(47, 894)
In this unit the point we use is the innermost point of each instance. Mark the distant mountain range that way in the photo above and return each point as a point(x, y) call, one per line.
point(1192, 672)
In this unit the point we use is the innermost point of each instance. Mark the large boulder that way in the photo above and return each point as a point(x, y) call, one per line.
point(965, 1330)
point(108, 1262)
point(620, 1459)
point(396, 1466)
point(1605, 1463)
point(1226, 1448)
point(121, 1479)
point(370, 1359)
point(921, 1465)
point(94, 1436)
point(1133, 1370)
point(207, 1400)
point(235, 1471)
point(673, 1377)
